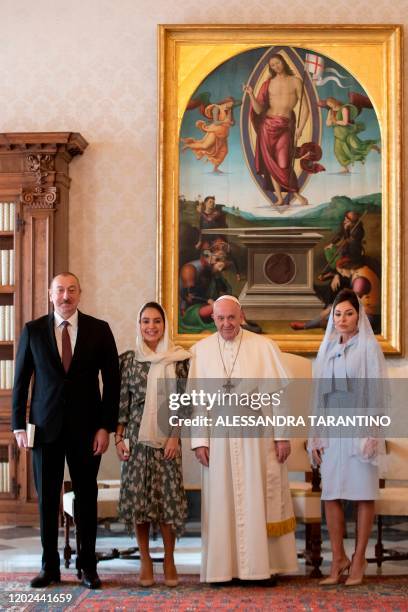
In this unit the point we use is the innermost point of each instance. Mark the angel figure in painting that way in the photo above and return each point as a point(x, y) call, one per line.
point(348, 146)
point(214, 144)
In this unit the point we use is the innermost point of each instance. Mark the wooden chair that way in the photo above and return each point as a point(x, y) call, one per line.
point(306, 503)
point(108, 498)
point(393, 498)
point(305, 493)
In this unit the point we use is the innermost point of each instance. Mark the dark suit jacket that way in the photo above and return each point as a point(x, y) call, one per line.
point(66, 401)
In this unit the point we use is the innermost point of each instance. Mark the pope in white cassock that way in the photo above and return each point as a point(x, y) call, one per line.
point(247, 520)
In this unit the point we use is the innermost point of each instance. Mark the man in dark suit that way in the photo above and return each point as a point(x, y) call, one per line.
point(64, 353)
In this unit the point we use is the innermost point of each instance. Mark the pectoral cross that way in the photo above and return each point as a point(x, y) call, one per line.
point(228, 386)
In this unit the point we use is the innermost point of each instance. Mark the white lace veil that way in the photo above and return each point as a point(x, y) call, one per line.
point(371, 359)
point(372, 392)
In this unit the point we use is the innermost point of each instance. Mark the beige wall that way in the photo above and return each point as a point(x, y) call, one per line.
point(90, 66)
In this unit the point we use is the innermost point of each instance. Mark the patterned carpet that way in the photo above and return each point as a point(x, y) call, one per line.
point(120, 592)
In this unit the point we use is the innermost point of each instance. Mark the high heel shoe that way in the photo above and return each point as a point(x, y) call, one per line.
point(170, 577)
point(332, 580)
point(146, 578)
point(356, 581)
point(146, 582)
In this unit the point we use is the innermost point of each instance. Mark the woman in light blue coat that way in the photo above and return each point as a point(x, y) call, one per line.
point(349, 376)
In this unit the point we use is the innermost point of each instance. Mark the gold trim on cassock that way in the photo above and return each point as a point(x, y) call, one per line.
point(304, 493)
point(280, 528)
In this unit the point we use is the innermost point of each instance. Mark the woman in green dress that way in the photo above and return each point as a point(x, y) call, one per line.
point(151, 479)
point(348, 147)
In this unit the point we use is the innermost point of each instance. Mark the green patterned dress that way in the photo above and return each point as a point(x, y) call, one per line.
point(151, 487)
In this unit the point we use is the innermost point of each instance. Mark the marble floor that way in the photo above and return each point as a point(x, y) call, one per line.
point(20, 550)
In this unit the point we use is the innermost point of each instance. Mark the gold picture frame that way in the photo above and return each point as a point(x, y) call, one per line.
point(373, 53)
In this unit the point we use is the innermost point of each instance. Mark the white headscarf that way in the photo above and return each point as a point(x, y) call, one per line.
point(372, 393)
point(371, 359)
point(162, 367)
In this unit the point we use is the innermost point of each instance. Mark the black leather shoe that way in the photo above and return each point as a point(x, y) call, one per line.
point(44, 578)
point(90, 579)
point(272, 582)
